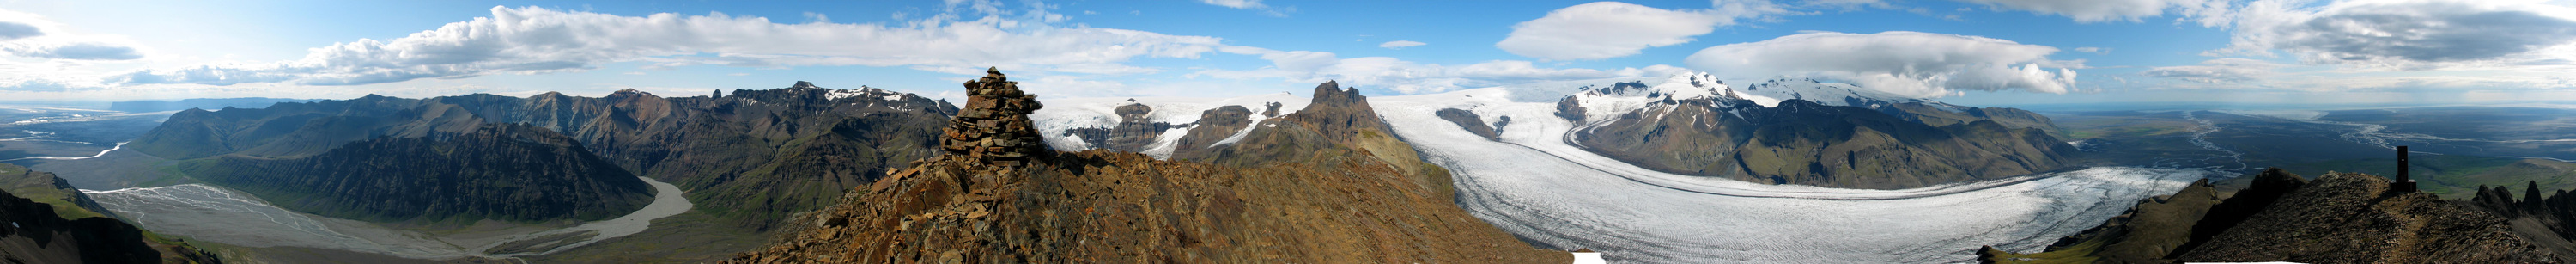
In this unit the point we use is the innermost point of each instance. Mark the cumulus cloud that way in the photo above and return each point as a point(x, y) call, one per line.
point(16, 30)
point(30, 35)
point(1400, 44)
point(1602, 30)
point(2406, 34)
point(538, 40)
point(2094, 50)
point(2110, 10)
point(1236, 4)
point(2219, 71)
point(1900, 62)
point(1407, 77)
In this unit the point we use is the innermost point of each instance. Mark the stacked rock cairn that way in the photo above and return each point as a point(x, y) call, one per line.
point(994, 126)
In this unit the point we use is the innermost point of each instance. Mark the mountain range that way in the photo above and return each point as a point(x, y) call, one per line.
point(750, 157)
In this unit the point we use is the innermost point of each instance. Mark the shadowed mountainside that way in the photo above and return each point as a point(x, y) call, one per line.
point(750, 157)
point(1803, 142)
point(506, 172)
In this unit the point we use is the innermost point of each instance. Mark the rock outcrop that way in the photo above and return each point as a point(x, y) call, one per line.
point(2546, 219)
point(1471, 122)
point(1102, 206)
point(2338, 218)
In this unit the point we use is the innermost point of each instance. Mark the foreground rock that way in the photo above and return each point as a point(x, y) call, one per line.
point(2338, 218)
point(992, 202)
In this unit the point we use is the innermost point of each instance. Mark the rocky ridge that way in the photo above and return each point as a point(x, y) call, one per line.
point(49, 222)
point(1098, 206)
point(2337, 218)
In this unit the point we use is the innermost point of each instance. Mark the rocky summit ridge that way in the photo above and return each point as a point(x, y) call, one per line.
point(2336, 218)
point(998, 196)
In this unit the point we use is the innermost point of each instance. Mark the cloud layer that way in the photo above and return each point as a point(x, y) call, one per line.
point(1901, 62)
point(536, 40)
point(1602, 30)
point(2109, 10)
point(30, 35)
point(1407, 77)
point(2219, 71)
point(2407, 34)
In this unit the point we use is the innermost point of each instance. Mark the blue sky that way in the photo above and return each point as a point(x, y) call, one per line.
point(1975, 52)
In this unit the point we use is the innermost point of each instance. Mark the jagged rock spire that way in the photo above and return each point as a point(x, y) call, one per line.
point(994, 126)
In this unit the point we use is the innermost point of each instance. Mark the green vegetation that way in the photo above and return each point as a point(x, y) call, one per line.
point(43, 187)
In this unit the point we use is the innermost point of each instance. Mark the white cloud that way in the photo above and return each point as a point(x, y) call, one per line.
point(2228, 71)
point(2110, 10)
point(537, 40)
point(1237, 4)
point(2407, 34)
point(1901, 62)
point(1601, 30)
point(1251, 5)
point(1407, 77)
point(2094, 50)
point(1400, 44)
point(33, 36)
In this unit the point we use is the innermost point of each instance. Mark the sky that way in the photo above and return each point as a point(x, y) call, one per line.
point(1970, 52)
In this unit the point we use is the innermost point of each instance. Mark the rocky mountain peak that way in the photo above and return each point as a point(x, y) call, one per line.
point(994, 126)
point(804, 84)
point(1332, 94)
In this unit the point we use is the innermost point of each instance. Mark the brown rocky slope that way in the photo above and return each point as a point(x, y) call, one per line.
point(2337, 218)
point(1000, 196)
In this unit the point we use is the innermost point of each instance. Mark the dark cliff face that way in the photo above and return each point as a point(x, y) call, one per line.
point(2338, 218)
point(1800, 142)
point(1215, 125)
point(36, 235)
point(990, 203)
point(2551, 218)
point(502, 172)
point(49, 222)
point(750, 157)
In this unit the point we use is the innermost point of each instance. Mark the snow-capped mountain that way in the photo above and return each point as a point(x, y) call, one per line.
point(1151, 125)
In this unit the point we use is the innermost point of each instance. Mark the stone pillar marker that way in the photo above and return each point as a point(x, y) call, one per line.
point(2403, 184)
point(993, 128)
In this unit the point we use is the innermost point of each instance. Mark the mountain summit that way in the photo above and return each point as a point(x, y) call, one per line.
point(993, 200)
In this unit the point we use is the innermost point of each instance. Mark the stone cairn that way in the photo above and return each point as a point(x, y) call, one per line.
point(994, 126)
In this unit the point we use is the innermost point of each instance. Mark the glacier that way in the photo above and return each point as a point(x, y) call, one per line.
point(1535, 185)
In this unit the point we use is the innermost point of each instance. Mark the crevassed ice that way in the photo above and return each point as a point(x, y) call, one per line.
point(1535, 186)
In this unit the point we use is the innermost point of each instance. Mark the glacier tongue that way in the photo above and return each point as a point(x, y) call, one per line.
point(1536, 186)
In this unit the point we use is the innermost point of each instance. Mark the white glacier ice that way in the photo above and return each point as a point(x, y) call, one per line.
point(1062, 114)
point(1535, 186)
